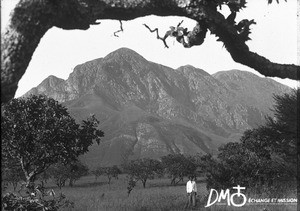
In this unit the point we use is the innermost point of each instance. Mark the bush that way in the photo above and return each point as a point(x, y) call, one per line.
point(36, 200)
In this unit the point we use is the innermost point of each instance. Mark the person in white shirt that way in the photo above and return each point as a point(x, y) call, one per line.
point(191, 189)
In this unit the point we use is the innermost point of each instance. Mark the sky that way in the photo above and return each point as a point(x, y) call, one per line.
point(59, 51)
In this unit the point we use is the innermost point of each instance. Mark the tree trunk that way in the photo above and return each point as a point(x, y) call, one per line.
point(178, 181)
point(61, 183)
point(30, 179)
point(173, 181)
point(15, 184)
point(71, 182)
point(144, 183)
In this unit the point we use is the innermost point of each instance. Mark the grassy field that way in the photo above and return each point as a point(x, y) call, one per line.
point(157, 196)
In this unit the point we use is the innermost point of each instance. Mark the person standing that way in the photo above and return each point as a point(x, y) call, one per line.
point(191, 189)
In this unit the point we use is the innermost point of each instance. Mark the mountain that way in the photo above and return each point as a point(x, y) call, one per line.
point(149, 110)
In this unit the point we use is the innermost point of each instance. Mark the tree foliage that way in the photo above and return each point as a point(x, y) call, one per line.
point(131, 185)
point(109, 171)
point(12, 175)
point(178, 166)
point(38, 132)
point(281, 131)
point(44, 177)
point(76, 171)
point(18, 42)
point(264, 155)
point(38, 200)
point(60, 173)
point(218, 174)
point(97, 173)
point(143, 169)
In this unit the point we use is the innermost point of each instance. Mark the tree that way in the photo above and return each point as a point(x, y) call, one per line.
point(131, 185)
point(110, 172)
point(283, 128)
point(217, 173)
point(12, 175)
point(249, 167)
point(30, 20)
point(143, 169)
point(40, 200)
point(59, 174)
point(178, 166)
point(97, 173)
point(263, 155)
point(234, 165)
point(38, 132)
point(44, 177)
point(237, 163)
point(279, 135)
point(76, 171)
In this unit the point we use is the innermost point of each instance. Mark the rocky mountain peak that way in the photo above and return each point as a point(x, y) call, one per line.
point(52, 81)
point(250, 88)
point(149, 110)
point(189, 69)
point(124, 54)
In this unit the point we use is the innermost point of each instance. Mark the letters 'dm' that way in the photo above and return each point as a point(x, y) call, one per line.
point(226, 195)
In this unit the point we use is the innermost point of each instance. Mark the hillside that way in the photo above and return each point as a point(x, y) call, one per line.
point(149, 110)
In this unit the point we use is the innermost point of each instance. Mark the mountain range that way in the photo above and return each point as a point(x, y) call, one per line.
point(150, 110)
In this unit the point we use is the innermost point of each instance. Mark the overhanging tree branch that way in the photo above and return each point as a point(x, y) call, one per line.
point(30, 20)
point(235, 44)
point(157, 35)
point(120, 30)
point(182, 35)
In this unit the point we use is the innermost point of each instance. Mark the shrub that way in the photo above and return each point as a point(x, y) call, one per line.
point(36, 199)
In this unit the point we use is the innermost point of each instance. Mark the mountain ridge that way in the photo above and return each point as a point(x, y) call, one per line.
point(149, 110)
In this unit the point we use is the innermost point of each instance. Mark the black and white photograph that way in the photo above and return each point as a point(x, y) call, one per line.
point(150, 105)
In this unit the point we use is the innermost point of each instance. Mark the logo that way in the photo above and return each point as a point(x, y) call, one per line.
point(225, 195)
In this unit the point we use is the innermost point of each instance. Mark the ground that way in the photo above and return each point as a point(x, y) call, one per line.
point(89, 195)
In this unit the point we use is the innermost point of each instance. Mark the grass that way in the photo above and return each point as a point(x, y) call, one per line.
point(158, 195)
